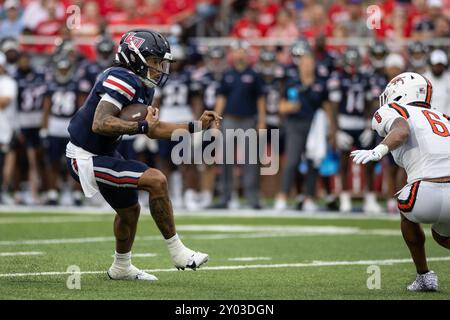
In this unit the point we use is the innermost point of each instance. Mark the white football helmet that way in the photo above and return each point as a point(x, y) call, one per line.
point(408, 88)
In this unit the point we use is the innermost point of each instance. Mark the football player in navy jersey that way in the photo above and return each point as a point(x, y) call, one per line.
point(143, 59)
point(31, 88)
point(349, 91)
point(61, 101)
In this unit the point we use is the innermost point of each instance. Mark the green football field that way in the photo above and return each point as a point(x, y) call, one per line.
point(251, 257)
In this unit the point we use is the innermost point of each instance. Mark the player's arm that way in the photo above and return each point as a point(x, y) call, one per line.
point(261, 105)
point(398, 134)
point(4, 102)
point(106, 121)
point(220, 104)
point(164, 130)
point(46, 106)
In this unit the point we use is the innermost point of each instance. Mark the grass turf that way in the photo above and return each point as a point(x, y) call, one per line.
point(292, 241)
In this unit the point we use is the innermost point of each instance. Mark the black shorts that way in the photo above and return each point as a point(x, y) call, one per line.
point(116, 178)
point(32, 138)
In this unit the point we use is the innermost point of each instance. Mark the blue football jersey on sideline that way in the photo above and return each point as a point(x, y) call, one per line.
point(209, 85)
point(31, 89)
point(350, 91)
point(123, 86)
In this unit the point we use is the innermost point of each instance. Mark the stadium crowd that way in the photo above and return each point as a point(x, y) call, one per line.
point(305, 78)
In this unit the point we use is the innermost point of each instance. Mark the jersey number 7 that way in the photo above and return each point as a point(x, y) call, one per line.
point(437, 126)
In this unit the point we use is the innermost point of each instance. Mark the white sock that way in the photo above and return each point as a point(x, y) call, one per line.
point(175, 245)
point(122, 260)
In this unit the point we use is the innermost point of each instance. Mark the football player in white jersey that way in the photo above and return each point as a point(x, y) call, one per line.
point(419, 139)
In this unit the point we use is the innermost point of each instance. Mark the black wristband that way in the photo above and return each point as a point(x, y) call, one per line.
point(191, 127)
point(143, 126)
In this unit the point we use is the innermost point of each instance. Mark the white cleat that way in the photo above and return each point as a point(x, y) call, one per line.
point(424, 282)
point(309, 206)
point(280, 205)
point(131, 273)
point(188, 258)
point(345, 202)
point(371, 205)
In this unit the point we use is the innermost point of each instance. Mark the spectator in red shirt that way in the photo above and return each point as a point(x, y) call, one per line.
point(268, 10)
point(178, 10)
point(338, 12)
point(131, 19)
point(248, 26)
point(152, 10)
point(317, 23)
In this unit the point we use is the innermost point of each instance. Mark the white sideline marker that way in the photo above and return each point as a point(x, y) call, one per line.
point(248, 266)
point(26, 253)
point(249, 258)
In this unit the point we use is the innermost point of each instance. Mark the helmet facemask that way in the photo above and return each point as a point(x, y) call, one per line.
point(153, 71)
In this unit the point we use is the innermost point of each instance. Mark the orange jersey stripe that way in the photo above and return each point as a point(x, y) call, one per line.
point(408, 204)
point(402, 111)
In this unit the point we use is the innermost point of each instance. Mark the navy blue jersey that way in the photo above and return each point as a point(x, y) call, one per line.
point(175, 98)
point(87, 73)
point(325, 65)
point(177, 92)
point(272, 91)
point(351, 92)
point(207, 85)
point(31, 89)
point(241, 90)
point(63, 97)
point(120, 85)
point(310, 97)
point(378, 82)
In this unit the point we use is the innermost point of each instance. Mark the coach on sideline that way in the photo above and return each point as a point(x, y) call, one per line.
point(242, 103)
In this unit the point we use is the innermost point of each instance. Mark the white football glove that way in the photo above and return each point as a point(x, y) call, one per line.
point(344, 141)
point(366, 137)
point(364, 156)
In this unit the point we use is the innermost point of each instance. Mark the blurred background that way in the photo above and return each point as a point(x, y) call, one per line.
point(316, 67)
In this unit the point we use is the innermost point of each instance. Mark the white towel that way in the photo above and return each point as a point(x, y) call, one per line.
point(85, 169)
point(316, 142)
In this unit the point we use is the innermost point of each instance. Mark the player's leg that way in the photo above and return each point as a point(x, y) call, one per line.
point(415, 240)
point(419, 203)
point(2, 162)
point(443, 241)
point(345, 202)
point(55, 152)
point(295, 141)
point(32, 140)
point(155, 183)
point(125, 226)
point(191, 182)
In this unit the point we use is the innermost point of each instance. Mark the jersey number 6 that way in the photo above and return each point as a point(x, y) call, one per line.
point(437, 126)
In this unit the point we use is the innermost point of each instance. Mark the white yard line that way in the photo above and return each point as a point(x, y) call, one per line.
point(26, 253)
point(248, 266)
point(210, 213)
point(280, 233)
point(249, 258)
point(34, 220)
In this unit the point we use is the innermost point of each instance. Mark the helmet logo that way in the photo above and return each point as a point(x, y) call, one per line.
point(398, 79)
point(131, 38)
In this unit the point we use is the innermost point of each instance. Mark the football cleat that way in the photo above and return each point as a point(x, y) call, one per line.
point(424, 282)
point(131, 273)
point(190, 259)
